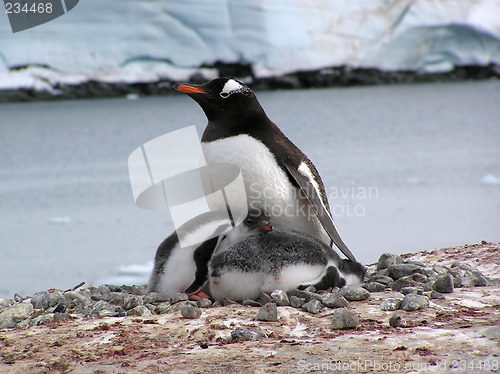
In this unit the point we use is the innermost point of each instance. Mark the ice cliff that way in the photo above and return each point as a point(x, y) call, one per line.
point(150, 40)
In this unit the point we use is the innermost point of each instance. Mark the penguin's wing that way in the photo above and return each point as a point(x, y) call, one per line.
point(312, 194)
point(202, 256)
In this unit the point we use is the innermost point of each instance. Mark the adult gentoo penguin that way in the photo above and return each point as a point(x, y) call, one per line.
point(278, 260)
point(279, 178)
point(177, 268)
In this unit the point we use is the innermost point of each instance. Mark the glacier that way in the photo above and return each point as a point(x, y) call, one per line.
point(154, 40)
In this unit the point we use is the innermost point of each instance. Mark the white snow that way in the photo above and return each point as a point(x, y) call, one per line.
point(144, 41)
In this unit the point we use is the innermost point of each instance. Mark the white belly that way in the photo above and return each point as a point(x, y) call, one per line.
point(266, 184)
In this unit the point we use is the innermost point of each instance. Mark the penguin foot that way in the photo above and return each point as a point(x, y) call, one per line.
point(197, 296)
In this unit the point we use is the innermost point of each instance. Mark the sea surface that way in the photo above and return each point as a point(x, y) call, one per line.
point(406, 167)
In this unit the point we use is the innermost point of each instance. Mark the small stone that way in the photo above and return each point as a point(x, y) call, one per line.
point(249, 302)
point(280, 297)
point(478, 279)
point(133, 302)
point(308, 296)
point(386, 260)
point(191, 312)
point(268, 312)
point(247, 335)
point(402, 270)
point(390, 304)
point(265, 298)
point(343, 319)
point(161, 308)
point(311, 289)
point(396, 320)
point(413, 302)
point(414, 280)
point(134, 290)
point(334, 300)
point(204, 303)
point(40, 320)
point(384, 279)
point(6, 302)
point(374, 287)
point(354, 293)
point(154, 298)
point(443, 284)
point(408, 290)
point(139, 310)
point(74, 295)
point(40, 300)
point(440, 269)
point(11, 316)
point(297, 302)
point(103, 309)
point(179, 297)
point(313, 306)
point(437, 295)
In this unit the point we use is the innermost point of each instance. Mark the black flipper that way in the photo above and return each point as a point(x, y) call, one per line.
point(324, 217)
point(202, 256)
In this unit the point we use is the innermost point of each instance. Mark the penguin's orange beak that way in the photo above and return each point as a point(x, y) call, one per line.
point(265, 228)
point(188, 89)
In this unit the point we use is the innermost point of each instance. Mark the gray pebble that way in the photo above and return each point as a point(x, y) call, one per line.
point(313, 306)
point(179, 297)
point(374, 287)
point(132, 302)
point(297, 302)
point(308, 296)
point(11, 316)
point(443, 284)
point(334, 300)
point(268, 312)
point(247, 335)
point(161, 308)
point(191, 312)
point(413, 302)
point(139, 310)
point(414, 280)
point(402, 270)
point(437, 295)
point(280, 297)
point(354, 293)
point(40, 300)
point(204, 303)
point(384, 279)
point(386, 260)
point(408, 290)
point(311, 289)
point(390, 304)
point(154, 298)
point(397, 320)
point(265, 298)
point(344, 319)
point(249, 302)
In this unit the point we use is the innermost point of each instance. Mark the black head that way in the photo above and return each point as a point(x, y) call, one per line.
point(224, 100)
point(258, 221)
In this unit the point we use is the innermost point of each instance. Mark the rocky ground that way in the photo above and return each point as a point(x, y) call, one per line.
point(339, 76)
point(433, 311)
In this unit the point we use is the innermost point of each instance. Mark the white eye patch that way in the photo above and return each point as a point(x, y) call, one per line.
point(232, 87)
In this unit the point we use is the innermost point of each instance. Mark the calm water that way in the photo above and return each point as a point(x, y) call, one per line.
point(403, 166)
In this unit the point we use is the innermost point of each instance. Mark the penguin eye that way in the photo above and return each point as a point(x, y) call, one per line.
point(224, 95)
point(249, 221)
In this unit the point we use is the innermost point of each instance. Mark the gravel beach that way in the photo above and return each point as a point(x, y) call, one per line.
point(431, 311)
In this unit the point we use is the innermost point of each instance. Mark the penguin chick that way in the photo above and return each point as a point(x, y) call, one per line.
point(278, 260)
